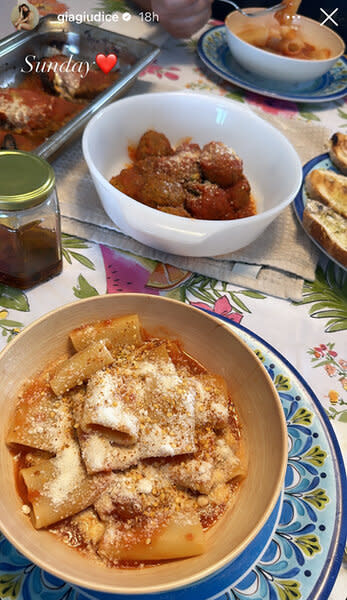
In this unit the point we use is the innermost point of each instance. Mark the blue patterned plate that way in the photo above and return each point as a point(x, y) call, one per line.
point(319, 162)
point(305, 551)
point(214, 51)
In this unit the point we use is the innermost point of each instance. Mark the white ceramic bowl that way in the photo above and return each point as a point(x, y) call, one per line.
point(270, 163)
point(221, 351)
point(277, 67)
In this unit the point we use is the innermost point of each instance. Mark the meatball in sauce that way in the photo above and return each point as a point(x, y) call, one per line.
point(188, 181)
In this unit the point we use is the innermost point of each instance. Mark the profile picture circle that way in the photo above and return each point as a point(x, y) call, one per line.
point(25, 16)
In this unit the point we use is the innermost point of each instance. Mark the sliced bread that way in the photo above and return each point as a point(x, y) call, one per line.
point(328, 187)
point(338, 151)
point(328, 228)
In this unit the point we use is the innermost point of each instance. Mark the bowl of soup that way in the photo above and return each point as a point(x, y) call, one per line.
point(291, 51)
point(143, 447)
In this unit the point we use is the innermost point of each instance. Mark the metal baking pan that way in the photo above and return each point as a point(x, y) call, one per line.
point(83, 42)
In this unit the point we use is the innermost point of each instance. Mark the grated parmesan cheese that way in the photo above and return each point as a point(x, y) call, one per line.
point(68, 472)
point(17, 113)
point(104, 405)
point(145, 486)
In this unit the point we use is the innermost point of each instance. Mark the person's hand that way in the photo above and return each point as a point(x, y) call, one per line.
point(182, 18)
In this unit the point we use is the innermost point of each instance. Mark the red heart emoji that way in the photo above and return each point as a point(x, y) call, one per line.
point(106, 63)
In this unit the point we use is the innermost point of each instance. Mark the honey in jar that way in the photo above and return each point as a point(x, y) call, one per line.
point(30, 238)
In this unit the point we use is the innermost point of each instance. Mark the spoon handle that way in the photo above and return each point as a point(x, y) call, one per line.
point(256, 14)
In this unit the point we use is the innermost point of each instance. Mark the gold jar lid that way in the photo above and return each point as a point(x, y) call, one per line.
point(25, 180)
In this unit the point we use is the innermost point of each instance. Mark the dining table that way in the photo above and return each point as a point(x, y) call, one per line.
point(301, 340)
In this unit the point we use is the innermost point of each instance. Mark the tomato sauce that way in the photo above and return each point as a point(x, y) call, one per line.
point(188, 181)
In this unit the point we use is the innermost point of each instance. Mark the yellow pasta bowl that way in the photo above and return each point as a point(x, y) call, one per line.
point(200, 348)
point(293, 55)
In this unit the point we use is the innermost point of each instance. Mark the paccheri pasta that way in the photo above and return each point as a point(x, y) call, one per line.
point(129, 449)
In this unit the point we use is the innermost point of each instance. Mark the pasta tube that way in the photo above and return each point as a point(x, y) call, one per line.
point(119, 332)
point(75, 370)
point(178, 539)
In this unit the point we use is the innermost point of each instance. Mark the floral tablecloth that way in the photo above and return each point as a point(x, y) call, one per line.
point(311, 334)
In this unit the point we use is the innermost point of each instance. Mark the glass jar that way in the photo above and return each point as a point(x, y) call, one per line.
point(30, 238)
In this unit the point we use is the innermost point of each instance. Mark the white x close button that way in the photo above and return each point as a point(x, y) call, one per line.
point(328, 17)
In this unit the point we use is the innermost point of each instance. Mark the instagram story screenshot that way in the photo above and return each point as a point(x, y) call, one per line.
point(173, 299)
